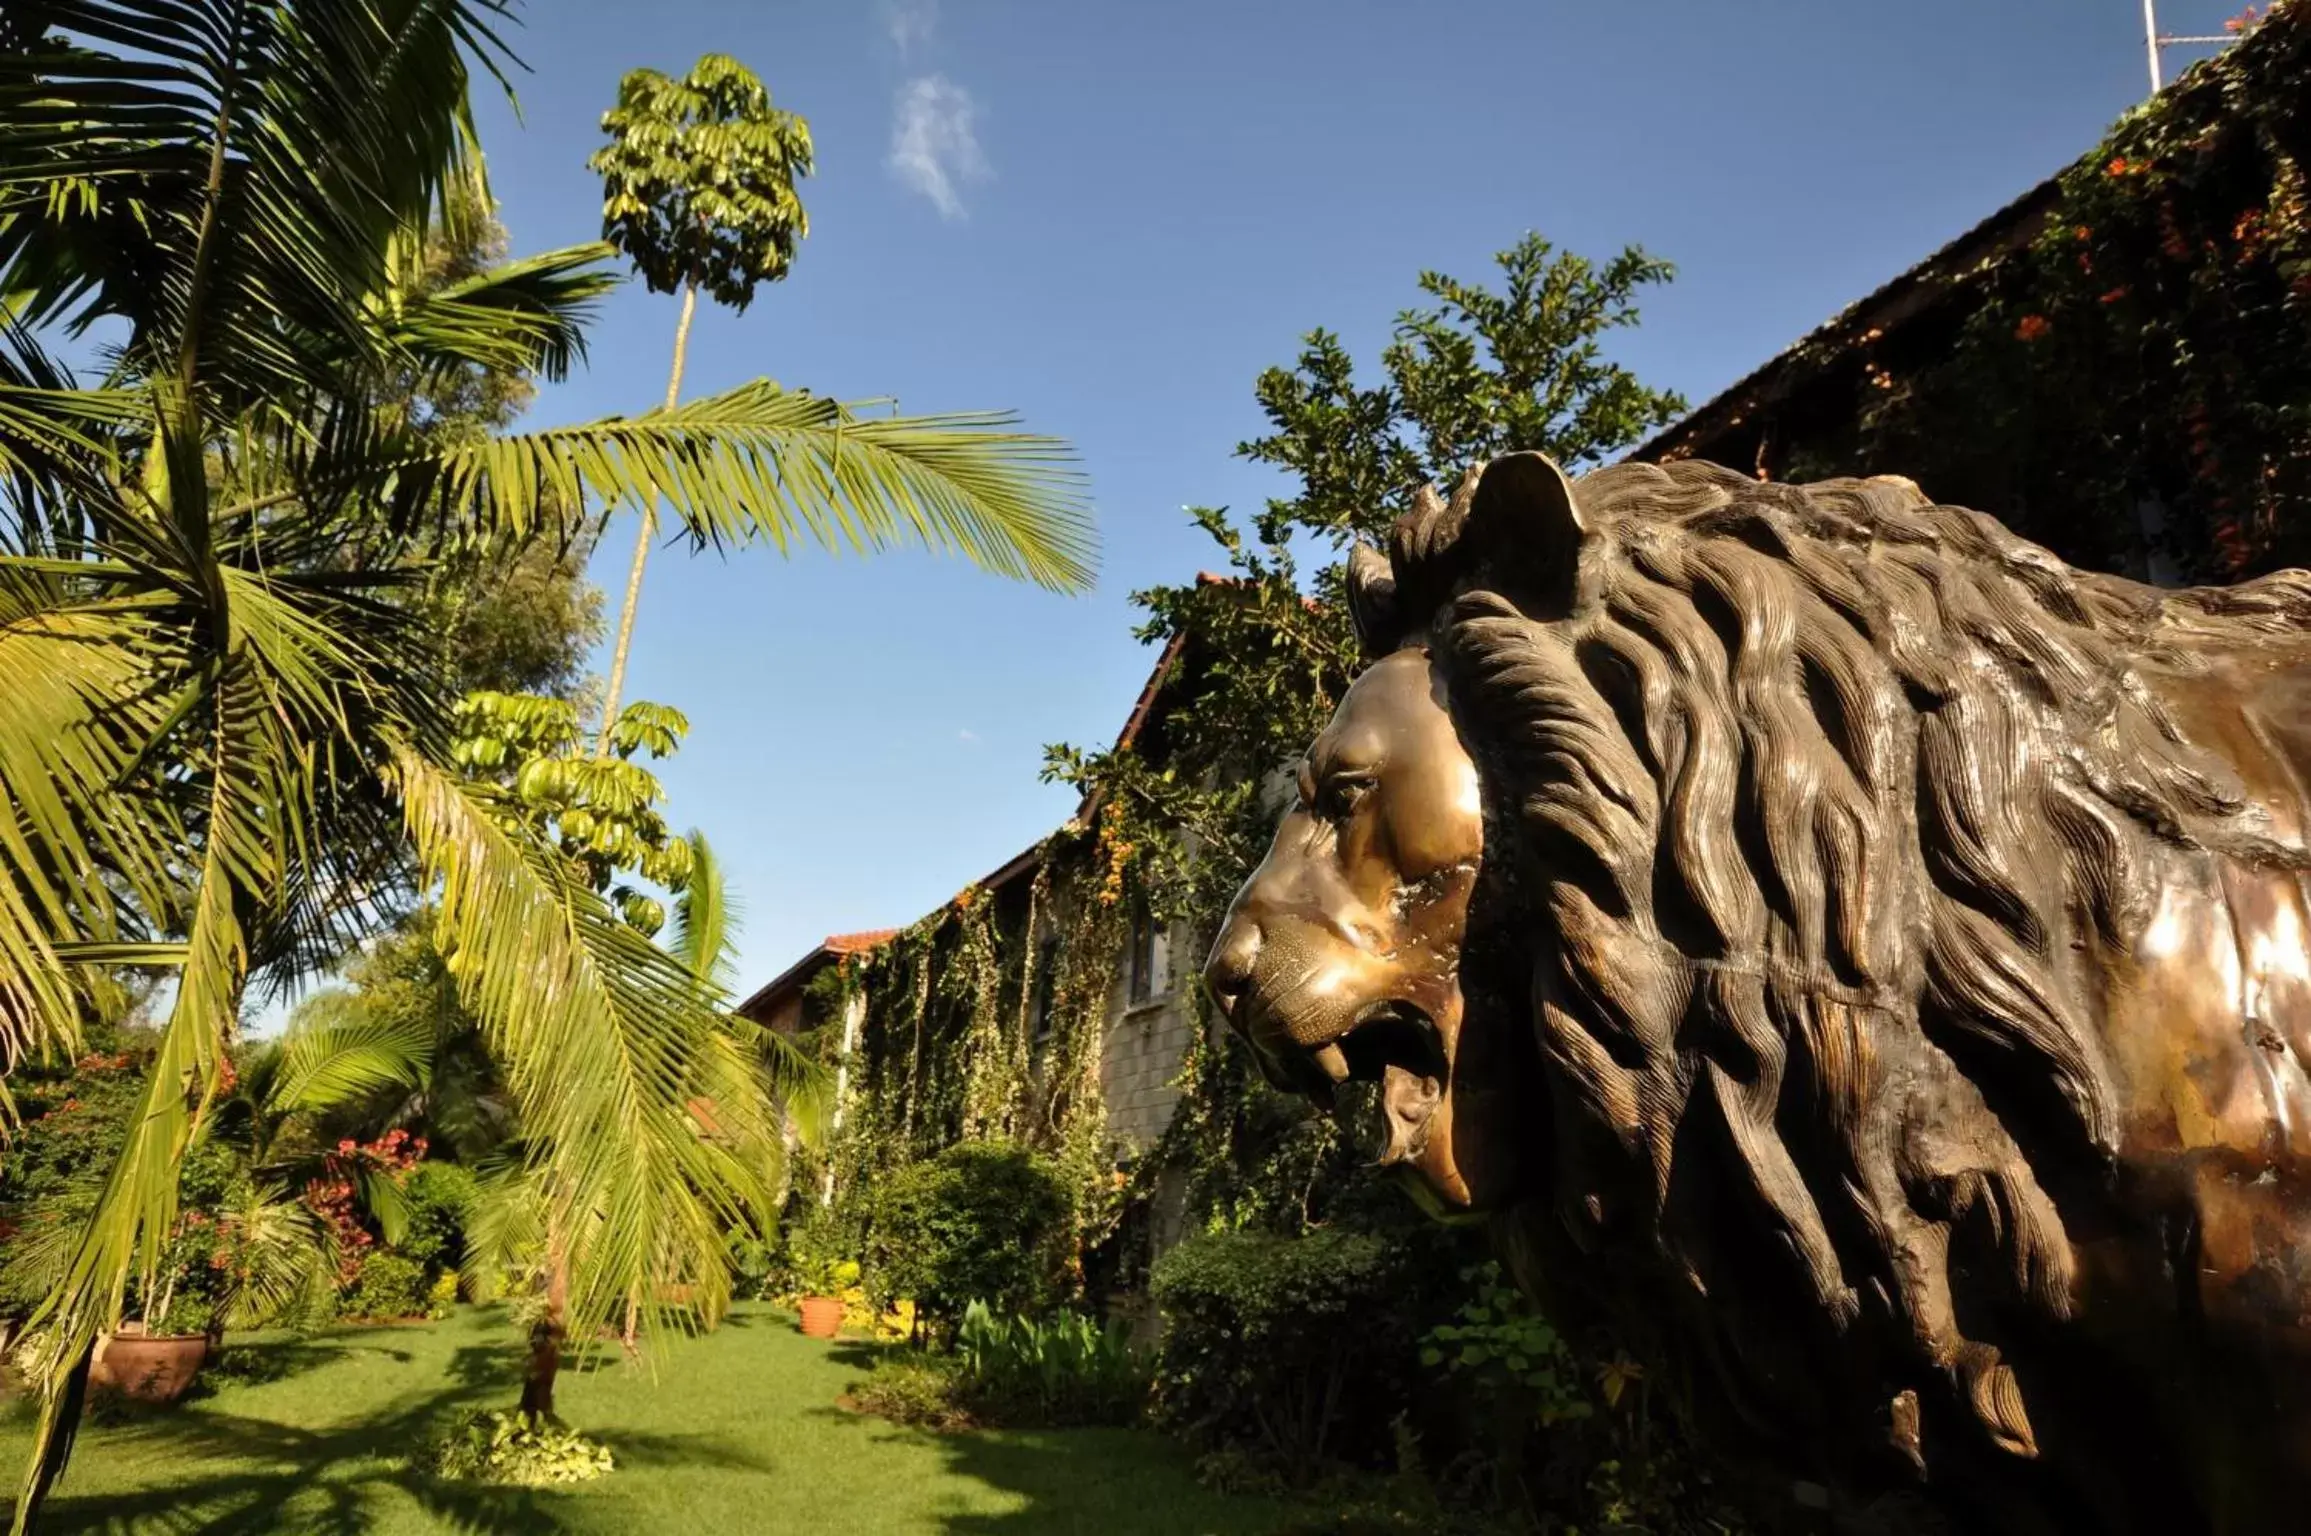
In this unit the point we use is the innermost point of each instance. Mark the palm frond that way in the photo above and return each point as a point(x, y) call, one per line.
point(336, 1058)
point(760, 464)
point(226, 175)
point(704, 915)
point(605, 1044)
point(74, 676)
point(134, 1214)
point(523, 316)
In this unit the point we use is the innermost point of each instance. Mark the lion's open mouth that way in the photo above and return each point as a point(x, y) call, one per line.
point(1398, 1046)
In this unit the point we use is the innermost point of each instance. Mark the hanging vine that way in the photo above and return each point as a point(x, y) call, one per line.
point(974, 1030)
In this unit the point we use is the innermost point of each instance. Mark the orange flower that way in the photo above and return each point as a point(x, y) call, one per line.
point(2115, 295)
point(2033, 327)
point(2118, 166)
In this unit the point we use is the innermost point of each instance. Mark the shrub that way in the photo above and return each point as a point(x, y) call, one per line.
point(437, 1196)
point(389, 1285)
point(981, 1221)
point(1061, 1370)
point(501, 1447)
point(1285, 1346)
point(914, 1387)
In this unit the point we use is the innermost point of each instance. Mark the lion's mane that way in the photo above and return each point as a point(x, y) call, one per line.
point(1820, 792)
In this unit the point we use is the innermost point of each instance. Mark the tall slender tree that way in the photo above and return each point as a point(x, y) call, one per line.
point(698, 190)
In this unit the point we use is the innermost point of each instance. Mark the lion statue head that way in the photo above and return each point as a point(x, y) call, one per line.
point(1859, 949)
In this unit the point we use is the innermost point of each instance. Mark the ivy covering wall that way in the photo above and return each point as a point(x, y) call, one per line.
point(2151, 343)
point(983, 1021)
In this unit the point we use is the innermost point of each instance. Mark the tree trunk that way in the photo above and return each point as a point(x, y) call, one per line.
point(642, 541)
point(546, 1334)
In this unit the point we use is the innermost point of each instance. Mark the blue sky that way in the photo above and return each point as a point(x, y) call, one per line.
point(1109, 217)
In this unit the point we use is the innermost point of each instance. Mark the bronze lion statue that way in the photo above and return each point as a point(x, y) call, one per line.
point(1859, 952)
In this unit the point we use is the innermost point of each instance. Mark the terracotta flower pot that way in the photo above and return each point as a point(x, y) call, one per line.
point(148, 1367)
point(822, 1316)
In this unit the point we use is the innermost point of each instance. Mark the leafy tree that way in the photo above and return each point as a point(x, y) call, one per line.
point(227, 738)
point(1480, 373)
point(601, 810)
point(697, 191)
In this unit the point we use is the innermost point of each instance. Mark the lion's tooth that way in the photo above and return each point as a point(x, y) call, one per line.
point(1332, 1061)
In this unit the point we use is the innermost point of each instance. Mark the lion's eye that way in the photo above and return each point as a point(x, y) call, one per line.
point(1342, 794)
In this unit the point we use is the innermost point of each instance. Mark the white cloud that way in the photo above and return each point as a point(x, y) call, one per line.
point(967, 736)
point(934, 144)
point(910, 23)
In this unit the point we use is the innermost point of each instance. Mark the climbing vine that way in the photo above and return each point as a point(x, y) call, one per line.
point(2152, 343)
point(983, 1021)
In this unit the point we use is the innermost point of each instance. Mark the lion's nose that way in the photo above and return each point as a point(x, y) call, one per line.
point(1228, 970)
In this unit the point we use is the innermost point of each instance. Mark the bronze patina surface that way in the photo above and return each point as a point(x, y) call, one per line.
point(1861, 953)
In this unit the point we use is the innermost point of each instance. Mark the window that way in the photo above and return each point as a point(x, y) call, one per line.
point(1046, 985)
point(1143, 958)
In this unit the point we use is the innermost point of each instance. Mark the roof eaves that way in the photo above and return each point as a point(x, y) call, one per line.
point(1961, 260)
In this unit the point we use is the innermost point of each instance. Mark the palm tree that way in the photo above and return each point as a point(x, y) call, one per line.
point(697, 189)
point(224, 750)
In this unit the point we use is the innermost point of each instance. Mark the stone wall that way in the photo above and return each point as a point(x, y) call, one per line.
point(1144, 1046)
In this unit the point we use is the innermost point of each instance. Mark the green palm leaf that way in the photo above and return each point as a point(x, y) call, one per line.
point(335, 1058)
point(760, 464)
point(605, 1044)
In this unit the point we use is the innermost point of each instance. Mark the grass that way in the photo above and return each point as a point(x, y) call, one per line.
point(740, 1432)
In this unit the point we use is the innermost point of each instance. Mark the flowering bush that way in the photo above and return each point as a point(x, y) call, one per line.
point(342, 1193)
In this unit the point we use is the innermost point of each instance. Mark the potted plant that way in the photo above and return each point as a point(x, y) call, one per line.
point(823, 1281)
point(255, 1258)
point(155, 1357)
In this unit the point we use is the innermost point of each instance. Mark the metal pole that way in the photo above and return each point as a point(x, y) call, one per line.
point(2150, 40)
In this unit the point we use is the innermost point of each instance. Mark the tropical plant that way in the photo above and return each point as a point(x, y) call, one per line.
point(1060, 1369)
point(226, 749)
point(498, 1447)
point(697, 191)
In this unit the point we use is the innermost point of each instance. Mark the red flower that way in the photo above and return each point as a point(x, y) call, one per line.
point(2118, 166)
point(2115, 295)
point(2033, 327)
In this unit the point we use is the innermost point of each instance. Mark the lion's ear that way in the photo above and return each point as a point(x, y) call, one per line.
point(1372, 603)
point(1529, 523)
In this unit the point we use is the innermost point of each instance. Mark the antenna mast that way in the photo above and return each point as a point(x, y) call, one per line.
point(2156, 42)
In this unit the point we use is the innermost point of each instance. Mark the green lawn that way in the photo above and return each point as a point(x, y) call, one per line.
point(739, 1433)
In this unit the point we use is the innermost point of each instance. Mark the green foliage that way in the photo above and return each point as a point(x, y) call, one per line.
point(500, 1447)
point(913, 1386)
point(1481, 374)
point(2151, 342)
point(1284, 1344)
point(698, 180)
point(390, 1286)
point(438, 1197)
point(977, 1221)
point(1059, 1369)
point(1502, 1346)
point(600, 810)
point(985, 1022)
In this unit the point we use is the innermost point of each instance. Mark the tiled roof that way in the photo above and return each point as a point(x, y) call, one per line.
point(858, 943)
